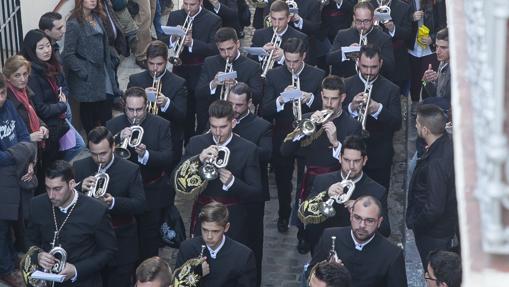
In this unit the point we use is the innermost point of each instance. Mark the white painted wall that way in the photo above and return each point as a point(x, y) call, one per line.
point(31, 11)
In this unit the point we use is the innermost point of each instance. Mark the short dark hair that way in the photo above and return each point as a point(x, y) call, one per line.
point(279, 6)
point(60, 168)
point(135, 92)
point(100, 133)
point(47, 19)
point(432, 117)
point(364, 5)
point(334, 83)
point(241, 88)
point(294, 45)
point(214, 212)
point(157, 49)
point(443, 34)
point(221, 109)
point(2, 81)
point(366, 201)
point(446, 267)
point(370, 51)
point(333, 274)
point(154, 268)
point(354, 142)
point(225, 34)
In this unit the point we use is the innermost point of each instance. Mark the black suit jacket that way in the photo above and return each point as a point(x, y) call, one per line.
point(381, 130)
point(349, 36)
point(157, 138)
point(248, 71)
point(263, 36)
point(87, 237)
point(126, 187)
point(334, 19)
point(379, 264)
point(234, 265)
point(205, 25)
point(275, 83)
point(228, 12)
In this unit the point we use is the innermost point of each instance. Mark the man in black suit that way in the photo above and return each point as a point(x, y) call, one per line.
point(278, 109)
point(198, 44)
point(228, 10)
point(238, 178)
point(371, 259)
point(171, 101)
point(79, 224)
point(279, 17)
point(209, 88)
point(353, 158)
point(226, 262)
point(124, 196)
point(400, 30)
point(154, 157)
point(258, 131)
point(383, 116)
point(363, 23)
point(336, 15)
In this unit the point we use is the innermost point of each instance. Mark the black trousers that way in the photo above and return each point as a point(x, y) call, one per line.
point(382, 175)
point(283, 170)
point(149, 234)
point(426, 244)
point(255, 216)
point(95, 114)
point(118, 276)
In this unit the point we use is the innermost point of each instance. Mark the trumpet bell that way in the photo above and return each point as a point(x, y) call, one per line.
point(209, 172)
point(100, 186)
point(175, 61)
point(122, 152)
point(61, 255)
point(307, 127)
point(327, 208)
point(136, 136)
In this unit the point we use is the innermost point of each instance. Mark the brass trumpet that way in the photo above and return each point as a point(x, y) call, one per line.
point(61, 255)
point(382, 10)
point(363, 39)
point(308, 126)
point(226, 90)
point(157, 86)
point(333, 255)
point(296, 104)
point(101, 184)
point(268, 60)
point(209, 170)
point(133, 141)
point(362, 111)
point(179, 47)
point(327, 207)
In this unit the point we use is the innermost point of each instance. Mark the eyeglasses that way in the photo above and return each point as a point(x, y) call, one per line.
point(368, 221)
point(363, 22)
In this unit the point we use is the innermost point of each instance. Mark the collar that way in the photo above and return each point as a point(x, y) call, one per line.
point(243, 117)
point(106, 167)
point(225, 143)
point(365, 34)
point(213, 253)
point(300, 71)
point(355, 180)
point(380, 2)
point(360, 246)
point(75, 198)
point(158, 78)
point(284, 31)
point(371, 81)
point(197, 13)
point(443, 66)
point(339, 4)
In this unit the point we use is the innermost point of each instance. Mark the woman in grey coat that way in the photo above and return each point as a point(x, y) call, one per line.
point(87, 62)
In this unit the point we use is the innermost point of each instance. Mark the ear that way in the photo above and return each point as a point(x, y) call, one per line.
point(227, 227)
point(381, 63)
point(365, 160)
point(234, 123)
point(343, 97)
point(380, 220)
point(304, 56)
point(72, 183)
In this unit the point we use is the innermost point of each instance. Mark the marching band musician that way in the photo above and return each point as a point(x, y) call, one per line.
point(321, 149)
point(372, 259)
point(330, 274)
point(209, 87)
point(228, 10)
point(124, 197)
point(336, 15)
point(279, 18)
point(228, 263)
point(198, 44)
point(172, 97)
point(383, 114)
point(154, 157)
point(279, 109)
point(258, 131)
point(363, 24)
point(353, 158)
point(80, 225)
point(236, 184)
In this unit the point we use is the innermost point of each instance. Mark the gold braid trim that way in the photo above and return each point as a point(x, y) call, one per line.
point(291, 135)
point(309, 209)
point(310, 139)
point(186, 275)
point(28, 265)
point(187, 180)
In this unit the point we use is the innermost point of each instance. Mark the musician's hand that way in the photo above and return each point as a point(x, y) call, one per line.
point(62, 98)
point(125, 133)
point(373, 106)
point(349, 205)
point(205, 268)
point(281, 100)
point(426, 40)
point(354, 44)
point(108, 199)
point(88, 183)
point(417, 16)
point(335, 189)
point(330, 130)
point(140, 149)
point(289, 88)
point(278, 54)
point(188, 41)
point(230, 82)
point(215, 82)
point(390, 26)
point(296, 18)
point(306, 97)
point(30, 172)
point(46, 260)
point(225, 176)
point(207, 153)
point(161, 100)
point(357, 101)
point(36, 136)
point(268, 47)
point(69, 271)
point(45, 132)
point(430, 75)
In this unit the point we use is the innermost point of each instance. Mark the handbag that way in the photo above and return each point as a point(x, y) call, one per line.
point(173, 231)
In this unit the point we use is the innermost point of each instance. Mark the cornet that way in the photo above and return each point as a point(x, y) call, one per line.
point(383, 10)
point(268, 60)
point(61, 255)
point(362, 111)
point(209, 170)
point(226, 90)
point(296, 104)
point(333, 255)
point(179, 47)
point(101, 184)
point(327, 208)
point(308, 126)
point(133, 141)
point(156, 85)
point(363, 38)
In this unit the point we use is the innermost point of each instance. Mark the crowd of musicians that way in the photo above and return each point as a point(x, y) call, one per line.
point(317, 93)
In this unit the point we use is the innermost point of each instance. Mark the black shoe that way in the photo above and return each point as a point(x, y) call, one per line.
point(282, 225)
point(142, 64)
point(303, 246)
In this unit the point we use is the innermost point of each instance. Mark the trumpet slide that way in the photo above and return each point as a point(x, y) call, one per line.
point(268, 60)
point(363, 109)
point(209, 170)
point(179, 47)
point(153, 94)
point(225, 88)
point(100, 186)
point(327, 207)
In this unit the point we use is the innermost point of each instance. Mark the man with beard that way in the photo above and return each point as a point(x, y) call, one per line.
point(352, 159)
point(372, 260)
